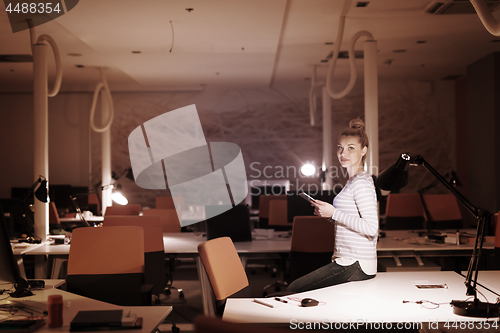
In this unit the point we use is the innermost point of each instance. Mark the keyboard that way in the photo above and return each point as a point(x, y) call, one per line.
point(30, 305)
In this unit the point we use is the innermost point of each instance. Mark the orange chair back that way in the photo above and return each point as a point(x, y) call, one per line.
point(169, 220)
point(132, 209)
point(53, 214)
point(113, 250)
point(153, 233)
point(404, 205)
point(223, 266)
point(168, 202)
point(264, 203)
point(312, 234)
point(278, 214)
point(442, 207)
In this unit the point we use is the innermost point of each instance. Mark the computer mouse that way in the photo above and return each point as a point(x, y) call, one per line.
point(309, 302)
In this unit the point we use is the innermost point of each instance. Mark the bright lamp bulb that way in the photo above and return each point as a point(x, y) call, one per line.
point(119, 198)
point(308, 169)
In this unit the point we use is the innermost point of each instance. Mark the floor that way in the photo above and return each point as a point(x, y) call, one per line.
point(260, 275)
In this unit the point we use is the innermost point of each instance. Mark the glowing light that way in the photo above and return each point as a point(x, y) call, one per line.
point(119, 198)
point(308, 169)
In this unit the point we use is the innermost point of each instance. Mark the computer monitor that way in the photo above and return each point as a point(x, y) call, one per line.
point(257, 191)
point(15, 217)
point(233, 223)
point(297, 206)
point(9, 270)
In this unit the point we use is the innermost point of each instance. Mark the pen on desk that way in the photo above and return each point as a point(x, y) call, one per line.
point(280, 300)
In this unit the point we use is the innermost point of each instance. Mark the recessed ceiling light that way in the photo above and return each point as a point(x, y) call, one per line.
point(75, 54)
point(421, 41)
point(362, 3)
point(136, 52)
point(189, 9)
point(80, 66)
point(452, 77)
point(495, 41)
point(399, 51)
point(329, 43)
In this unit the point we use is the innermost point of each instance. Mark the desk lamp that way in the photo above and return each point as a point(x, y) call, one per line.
point(41, 193)
point(116, 196)
point(396, 177)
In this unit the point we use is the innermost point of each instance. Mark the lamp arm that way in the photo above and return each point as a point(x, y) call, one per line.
point(78, 210)
point(481, 215)
point(32, 188)
point(470, 207)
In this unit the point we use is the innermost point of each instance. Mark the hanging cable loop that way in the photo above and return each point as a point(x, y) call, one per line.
point(352, 61)
point(55, 50)
point(102, 85)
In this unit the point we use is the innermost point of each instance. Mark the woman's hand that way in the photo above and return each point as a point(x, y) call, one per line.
point(323, 209)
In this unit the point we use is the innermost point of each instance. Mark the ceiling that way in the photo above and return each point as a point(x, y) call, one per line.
point(161, 45)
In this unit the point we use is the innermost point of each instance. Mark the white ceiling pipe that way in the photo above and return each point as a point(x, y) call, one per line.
point(489, 22)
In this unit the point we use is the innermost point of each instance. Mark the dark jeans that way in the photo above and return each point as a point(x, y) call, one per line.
point(329, 275)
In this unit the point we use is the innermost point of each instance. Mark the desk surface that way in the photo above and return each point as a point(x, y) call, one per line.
point(152, 315)
point(373, 301)
point(187, 243)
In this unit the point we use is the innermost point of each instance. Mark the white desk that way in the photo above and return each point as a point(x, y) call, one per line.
point(152, 315)
point(373, 301)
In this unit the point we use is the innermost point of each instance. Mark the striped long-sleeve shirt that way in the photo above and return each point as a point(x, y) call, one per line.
point(356, 224)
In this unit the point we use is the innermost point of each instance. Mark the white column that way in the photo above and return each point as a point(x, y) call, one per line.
point(106, 153)
point(41, 134)
point(327, 138)
point(371, 105)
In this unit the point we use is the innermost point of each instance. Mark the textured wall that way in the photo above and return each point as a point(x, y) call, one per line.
point(272, 128)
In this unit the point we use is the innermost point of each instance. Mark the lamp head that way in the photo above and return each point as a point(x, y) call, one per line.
point(395, 177)
point(42, 192)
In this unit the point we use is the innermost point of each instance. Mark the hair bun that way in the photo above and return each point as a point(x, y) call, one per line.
point(357, 123)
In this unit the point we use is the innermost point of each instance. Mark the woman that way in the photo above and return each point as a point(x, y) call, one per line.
point(354, 212)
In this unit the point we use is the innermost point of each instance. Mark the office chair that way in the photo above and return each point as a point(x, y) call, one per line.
point(264, 200)
point(170, 223)
point(154, 253)
point(313, 242)
point(278, 215)
point(169, 220)
point(404, 211)
point(131, 209)
point(168, 202)
point(107, 264)
point(223, 268)
point(443, 211)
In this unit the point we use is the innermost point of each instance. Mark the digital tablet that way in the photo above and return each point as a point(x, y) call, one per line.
point(307, 197)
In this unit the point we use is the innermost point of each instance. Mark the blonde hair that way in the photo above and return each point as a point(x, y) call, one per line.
point(356, 128)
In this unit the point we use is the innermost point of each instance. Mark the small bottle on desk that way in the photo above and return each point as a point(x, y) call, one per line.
point(54, 311)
